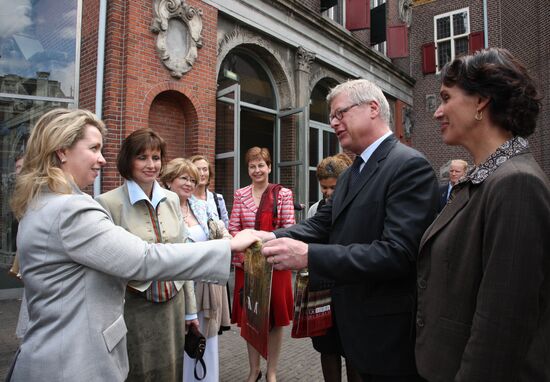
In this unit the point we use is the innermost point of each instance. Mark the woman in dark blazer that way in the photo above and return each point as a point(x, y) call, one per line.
point(484, 264)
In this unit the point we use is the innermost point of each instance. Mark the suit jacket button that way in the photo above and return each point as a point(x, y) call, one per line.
point(419, 322)
point(422, 283)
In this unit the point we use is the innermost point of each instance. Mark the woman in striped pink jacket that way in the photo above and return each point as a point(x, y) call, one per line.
point(253, 208)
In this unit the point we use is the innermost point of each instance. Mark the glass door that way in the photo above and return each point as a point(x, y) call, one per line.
point(292, 154)
point(228, 142)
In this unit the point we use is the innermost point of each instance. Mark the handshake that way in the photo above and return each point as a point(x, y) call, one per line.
point(282, 253)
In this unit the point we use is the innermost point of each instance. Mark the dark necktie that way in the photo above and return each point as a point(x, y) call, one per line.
point(355, 171)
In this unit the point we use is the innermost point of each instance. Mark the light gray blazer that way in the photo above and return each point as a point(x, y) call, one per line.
point(76, 264)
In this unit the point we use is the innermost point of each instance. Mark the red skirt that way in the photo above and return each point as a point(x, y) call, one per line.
point(281, 307)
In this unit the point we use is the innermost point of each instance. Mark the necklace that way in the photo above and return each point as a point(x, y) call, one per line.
point(185, 212)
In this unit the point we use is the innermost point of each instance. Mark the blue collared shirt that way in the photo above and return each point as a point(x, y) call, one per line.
point(372, 148)
point(135, 192)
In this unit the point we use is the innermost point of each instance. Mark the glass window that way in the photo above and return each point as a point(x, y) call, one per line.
point(38, 48)
point(322, 139)
point(255, 84)
point(38, 65)
point(382, 46)
point(451, 35)
point(335, 12)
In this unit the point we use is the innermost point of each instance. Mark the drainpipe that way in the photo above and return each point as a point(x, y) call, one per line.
point(100, 74)
point(485, 25)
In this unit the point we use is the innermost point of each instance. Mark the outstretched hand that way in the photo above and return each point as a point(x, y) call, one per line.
point(264, 236)
point(243, 240)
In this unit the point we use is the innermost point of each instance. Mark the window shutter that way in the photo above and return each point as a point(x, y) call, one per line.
point(378, 24)
point(428, 58)
point(357, 14)
point(398, 41)
point(475, 42)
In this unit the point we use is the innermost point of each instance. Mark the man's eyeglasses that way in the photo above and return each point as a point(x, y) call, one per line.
point(339, 113)
point(188, 180)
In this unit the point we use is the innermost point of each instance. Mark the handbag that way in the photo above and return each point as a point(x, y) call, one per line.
point(195, 345)
point(215, 231)
point(312, 309)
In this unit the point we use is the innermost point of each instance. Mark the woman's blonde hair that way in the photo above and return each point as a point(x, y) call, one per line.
point(176, 167)
point(57, 129)
point(198, 157)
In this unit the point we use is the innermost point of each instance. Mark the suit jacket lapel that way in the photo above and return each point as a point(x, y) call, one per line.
point(447, 214)
point(369, 169)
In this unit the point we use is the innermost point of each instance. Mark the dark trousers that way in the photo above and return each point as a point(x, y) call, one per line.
point(386, 378)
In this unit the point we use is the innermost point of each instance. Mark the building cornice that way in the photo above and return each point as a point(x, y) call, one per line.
point(293, 24)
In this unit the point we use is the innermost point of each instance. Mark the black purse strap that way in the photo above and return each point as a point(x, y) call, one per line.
point(201, 361)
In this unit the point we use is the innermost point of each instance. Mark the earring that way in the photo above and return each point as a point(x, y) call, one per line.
point(479, 115)
point(63, 160)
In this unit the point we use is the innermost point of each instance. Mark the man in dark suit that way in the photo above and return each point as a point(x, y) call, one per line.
point(457, 169)
point(363, 243)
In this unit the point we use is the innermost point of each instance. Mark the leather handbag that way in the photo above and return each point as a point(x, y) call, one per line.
point(195, 345)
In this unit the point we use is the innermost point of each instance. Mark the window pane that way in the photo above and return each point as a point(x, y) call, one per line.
point(443, 53)
point(225, 126)
point(443, 27)
point(330, 144)
point(318, 106)
point(313, 146)
point(17, 118)
point(313, 188)
point(461, 46)
point(38, 48)
point(460, 23)
point(255, 84)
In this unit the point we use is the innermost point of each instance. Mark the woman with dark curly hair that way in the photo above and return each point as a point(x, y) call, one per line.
point(484, 266)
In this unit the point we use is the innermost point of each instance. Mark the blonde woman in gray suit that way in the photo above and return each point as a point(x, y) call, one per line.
point(76, 262)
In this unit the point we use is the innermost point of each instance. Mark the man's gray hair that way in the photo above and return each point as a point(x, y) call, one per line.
point(362, 91)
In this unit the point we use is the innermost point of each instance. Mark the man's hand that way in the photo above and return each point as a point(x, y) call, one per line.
point(286, 253)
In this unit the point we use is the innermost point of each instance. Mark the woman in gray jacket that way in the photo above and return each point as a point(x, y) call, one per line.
point(76, 262)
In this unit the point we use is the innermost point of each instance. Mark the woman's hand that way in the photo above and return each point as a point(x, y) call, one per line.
point(243, 240)
point(189, 323)
point(264, 236)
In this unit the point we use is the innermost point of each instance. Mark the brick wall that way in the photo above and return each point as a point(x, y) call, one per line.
point(530, 44)
point(426, 136)
point(138, 89)
point(88, 54)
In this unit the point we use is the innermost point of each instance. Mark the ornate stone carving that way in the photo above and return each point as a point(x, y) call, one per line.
point(408, 121)
point(405, 11)
point(431, 103)
point(304, 59)
point(179, 28)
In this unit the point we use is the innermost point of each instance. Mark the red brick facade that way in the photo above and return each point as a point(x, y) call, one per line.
point(140, 92)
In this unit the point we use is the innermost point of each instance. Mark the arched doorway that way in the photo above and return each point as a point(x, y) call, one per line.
point(248, 114)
